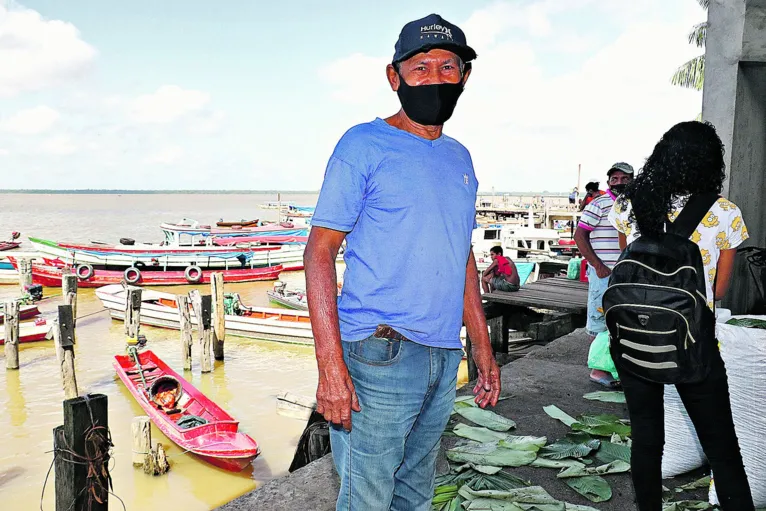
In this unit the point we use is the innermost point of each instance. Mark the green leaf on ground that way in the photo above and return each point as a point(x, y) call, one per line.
point(609, 452)
point(529, 495)
point(523, 443)
point(686, 505)
point(491, 454)
point(703, 482)
point(601, 425)
point(593, 488)
point(486, 418)
point(557, 413)
point(547, 463)
point(477, 434)
point(615, 467)
point(575, 445)
point(606, 397)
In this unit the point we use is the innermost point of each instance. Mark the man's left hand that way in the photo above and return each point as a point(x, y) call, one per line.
point(487, 389)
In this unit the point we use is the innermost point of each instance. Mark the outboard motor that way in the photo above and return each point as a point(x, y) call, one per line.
point(35, 292)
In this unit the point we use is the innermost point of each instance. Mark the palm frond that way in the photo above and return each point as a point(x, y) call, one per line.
point(704, 3)
point(698, 35)
point(691, 75)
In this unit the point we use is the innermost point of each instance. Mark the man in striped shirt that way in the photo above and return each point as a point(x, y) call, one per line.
point(597, 241)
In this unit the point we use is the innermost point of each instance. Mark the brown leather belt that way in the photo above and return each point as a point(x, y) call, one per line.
point(386, 332)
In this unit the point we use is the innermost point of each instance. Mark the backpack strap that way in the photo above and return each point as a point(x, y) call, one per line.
point(693, 213)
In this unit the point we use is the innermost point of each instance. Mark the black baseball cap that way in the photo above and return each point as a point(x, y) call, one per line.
point(431, 32)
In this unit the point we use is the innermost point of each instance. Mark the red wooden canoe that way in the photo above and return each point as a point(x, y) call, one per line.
point(25, 312)
point(218, 441)
point(50, 276)
point(38, 330)
point(7, 245)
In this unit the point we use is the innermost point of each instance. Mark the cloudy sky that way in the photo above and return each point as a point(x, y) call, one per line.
point(249, 94)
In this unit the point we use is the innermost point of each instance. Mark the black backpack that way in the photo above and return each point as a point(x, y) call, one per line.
point(660, 326)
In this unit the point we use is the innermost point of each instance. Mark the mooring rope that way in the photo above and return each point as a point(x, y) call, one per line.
point(98, 452)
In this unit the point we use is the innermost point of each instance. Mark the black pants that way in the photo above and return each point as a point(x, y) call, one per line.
point(709, 408)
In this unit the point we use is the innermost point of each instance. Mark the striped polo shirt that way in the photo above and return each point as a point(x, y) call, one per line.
point(603, 236)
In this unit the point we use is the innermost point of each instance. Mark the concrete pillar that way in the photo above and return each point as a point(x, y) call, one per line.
point(734, 100)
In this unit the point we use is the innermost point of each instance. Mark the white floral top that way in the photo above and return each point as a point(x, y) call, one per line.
point(721, 229)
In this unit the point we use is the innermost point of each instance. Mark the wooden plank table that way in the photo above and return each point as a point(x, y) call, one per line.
point(506, 310)
point(557, 293)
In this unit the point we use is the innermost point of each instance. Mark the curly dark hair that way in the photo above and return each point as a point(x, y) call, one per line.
point(688, 159)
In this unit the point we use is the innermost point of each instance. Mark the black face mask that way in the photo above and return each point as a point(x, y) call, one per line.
point(618, 189)
point(429, 105)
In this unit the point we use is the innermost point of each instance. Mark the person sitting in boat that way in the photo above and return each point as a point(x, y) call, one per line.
point(501, 274)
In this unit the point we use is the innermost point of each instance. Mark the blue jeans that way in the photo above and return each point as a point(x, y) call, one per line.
point(596, 287)
point(406, 392)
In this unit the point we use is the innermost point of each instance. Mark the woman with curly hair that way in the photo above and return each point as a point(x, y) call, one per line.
point(687, 160)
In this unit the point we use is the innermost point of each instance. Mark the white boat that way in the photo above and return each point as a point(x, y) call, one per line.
point(519, 242)
point(153, 255)
point(161, 309)
point(277, 205)
point(292, 299)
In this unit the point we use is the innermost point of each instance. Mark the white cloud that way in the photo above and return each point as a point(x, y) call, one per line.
point(166, 156)
point(32, 121)
point(59, 145)
point(527, 124)
point(167, 104)
point(37, 53)
point(4, 152)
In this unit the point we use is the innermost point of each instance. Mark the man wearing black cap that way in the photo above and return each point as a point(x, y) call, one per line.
point(597, 241)
point(402, 194)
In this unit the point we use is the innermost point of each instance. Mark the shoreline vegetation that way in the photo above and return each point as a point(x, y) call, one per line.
point(107, 191)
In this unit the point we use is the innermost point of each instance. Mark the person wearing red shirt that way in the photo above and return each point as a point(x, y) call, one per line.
point(501, 274)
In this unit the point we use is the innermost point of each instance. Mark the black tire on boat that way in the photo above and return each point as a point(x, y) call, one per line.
point(193, 274)
point(140, 265)
point(84, 271)
point(132, 275)
point(127, 241)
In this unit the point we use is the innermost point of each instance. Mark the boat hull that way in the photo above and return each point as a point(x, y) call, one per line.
point(25, 312)
point(51, 276)
point(160, 258)
point(292, 327)
point(40, 330)
point(218, 442)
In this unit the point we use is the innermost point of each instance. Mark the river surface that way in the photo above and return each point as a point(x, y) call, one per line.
point(245, 384)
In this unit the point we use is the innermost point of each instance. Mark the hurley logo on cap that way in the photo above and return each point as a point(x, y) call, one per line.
point(436, 31)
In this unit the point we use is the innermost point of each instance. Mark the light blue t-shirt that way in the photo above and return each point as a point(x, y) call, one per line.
point(408, 205)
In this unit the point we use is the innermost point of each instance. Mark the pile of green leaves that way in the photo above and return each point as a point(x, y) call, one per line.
point(747, 323)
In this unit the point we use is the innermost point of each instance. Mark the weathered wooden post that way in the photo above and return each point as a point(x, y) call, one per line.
point(186, 330)
point(219, 314)
point(82, 484)
point(202, 307)
point(11, 315)
point(141, 431)
point(64, 340)
point(133, 312)
point(69, 292)
point(25, 274)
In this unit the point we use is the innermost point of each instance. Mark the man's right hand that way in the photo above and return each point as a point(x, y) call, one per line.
point(336, 396)
point(603, 271)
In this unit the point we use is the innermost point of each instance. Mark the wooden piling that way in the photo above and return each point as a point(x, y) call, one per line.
point(25, 275)
point(202, 305)
point(186, 330)
point(11, 312)
point(82, 484)
point(64, 340)
point(219, 314)
point(69, 291)
point(133, 312)
point(141, 432)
